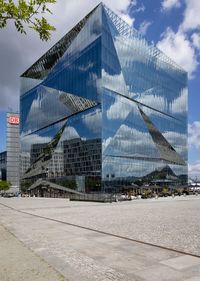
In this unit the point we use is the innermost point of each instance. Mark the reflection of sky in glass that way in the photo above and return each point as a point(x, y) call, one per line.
point(133, 169)
point(125, 135)
point(120, 75)
point(43, 103)
point(40, 137)
point(124, 132)
point(128, 168)
point(86, 125)
point(150, 77)
point(47, 100)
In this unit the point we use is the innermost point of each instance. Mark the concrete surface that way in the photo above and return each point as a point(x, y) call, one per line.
point(81, 254)
point(18, 263)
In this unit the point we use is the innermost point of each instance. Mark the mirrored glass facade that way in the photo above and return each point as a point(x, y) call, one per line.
point(103, 108)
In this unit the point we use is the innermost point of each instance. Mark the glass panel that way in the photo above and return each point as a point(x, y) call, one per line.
point(41, 68)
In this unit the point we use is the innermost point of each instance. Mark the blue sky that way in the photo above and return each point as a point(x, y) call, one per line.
point(173, 25)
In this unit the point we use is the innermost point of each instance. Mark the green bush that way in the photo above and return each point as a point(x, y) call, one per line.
point(4, 185)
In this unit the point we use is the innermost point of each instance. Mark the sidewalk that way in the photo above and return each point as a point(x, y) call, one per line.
point(55, 231)
point(18, 263)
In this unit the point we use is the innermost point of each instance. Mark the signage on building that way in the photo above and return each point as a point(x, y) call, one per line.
point(13, 120)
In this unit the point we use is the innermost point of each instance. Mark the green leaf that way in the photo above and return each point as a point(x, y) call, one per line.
point(23, 12)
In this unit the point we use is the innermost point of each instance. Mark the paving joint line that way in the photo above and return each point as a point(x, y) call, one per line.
point(104, 232)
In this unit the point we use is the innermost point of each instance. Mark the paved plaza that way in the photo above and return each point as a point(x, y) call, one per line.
point(79, 241)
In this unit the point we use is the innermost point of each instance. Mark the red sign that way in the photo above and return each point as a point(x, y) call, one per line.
point(14, 120)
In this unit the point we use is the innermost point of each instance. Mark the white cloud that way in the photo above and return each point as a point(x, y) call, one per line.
point(169, 4)
point(119, 6)
point(144, 26)
point(191, 16)
point(74, 8)
point(139, 9)
point(127, 19)
point(180, 49)
point(194, 134)
point(182, 45)
point(196, 40)
point(194, 169)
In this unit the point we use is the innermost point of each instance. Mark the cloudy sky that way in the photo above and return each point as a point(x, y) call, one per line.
point(173, 25)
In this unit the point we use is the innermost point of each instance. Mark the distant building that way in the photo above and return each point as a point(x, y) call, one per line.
point(24, 160)
point(3, 165)
point(13, 148)
point(104, 107)
point(9, 159)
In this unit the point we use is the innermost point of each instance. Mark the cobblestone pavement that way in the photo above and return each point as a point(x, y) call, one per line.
point(18, 263)
point(81, 254)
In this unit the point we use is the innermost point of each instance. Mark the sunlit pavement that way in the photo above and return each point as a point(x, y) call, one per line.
point(76, 238)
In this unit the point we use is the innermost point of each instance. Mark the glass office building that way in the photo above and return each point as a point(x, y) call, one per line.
point(103, 108)
point(9, 160)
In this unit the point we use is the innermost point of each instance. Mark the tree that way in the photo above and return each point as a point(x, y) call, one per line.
point(4, 185)
point(27, 13)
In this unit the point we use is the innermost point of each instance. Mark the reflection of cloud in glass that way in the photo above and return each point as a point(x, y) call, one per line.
point(153, 98)
point(27, 141)
point(119, 109)
point(114, 82)
point(106, 143)
point(40, 113)
point(179, 105)
point(127, 168)
point(81, 41)
point(27, 84)
point(178, 141)
point(130, 142)
point(183, 170)
point(93, 121)
point(86, 66)
point(127, 49)
point(69, 133)
point(175, 138)
point(138, 50)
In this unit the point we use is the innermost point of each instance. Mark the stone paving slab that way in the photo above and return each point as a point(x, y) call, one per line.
point(182, 262)
point(18, 263)
point(196, 278)
point(83, 255)
point(155, 221)
point(160, 272)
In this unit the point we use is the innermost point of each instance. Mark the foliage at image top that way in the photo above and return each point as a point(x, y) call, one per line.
point(27, 13)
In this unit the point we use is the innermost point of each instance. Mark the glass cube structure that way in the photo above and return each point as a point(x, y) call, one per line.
point(104, 109)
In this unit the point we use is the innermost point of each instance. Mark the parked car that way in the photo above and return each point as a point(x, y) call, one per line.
point(8, 195)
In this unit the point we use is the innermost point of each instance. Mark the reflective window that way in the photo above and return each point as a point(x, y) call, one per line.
point(104, 108)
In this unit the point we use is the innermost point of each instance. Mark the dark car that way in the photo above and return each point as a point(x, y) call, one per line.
point(8, 195)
